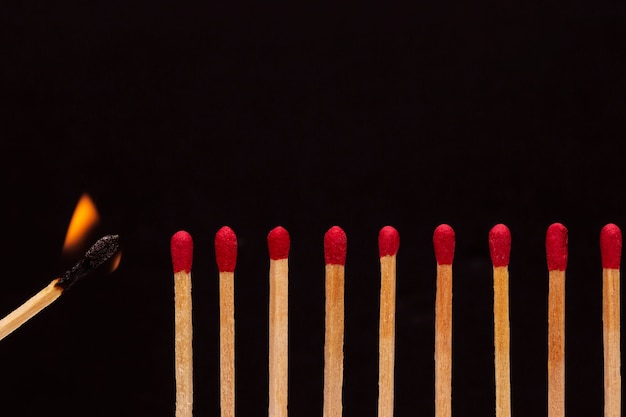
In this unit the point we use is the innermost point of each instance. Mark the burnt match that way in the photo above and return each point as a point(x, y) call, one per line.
point(101, 252)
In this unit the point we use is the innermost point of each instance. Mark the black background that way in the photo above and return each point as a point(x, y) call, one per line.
point(197, 115)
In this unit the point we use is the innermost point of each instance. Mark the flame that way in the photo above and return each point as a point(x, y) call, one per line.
point(115, 261)
point(83, 221)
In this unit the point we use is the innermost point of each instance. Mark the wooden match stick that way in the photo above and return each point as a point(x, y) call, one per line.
point(181, 246)
point(335, 244)
point(443, 241)
point(278, 243)
point(388, 244)
point(500, 248)
point(226, 257)
point(556, 253)
point(99, 253)
point(611, 250)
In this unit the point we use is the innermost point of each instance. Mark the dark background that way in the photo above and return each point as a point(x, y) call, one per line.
point(197, 115)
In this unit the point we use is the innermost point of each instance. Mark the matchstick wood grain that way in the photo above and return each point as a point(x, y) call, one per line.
point(556, 254)
point(226, 257)
point(611, 251)
point(500, 249)
point(278, 243)
point(335, 243)
point(444, 242)
point(388, 244)
point(32, 306)
point(181, 246)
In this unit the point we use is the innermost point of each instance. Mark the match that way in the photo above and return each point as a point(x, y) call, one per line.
point(611, 251)
point(278, 243)
point(556, 253)
point(500, 249)
point(101, 251)
point(443, 241)
point(226, 257)
point(335, 249)
point(388, 244)
point(335, 243)
point(181, 246)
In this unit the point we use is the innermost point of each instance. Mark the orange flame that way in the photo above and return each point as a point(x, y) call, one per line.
point(83, 221)
point(115, 261)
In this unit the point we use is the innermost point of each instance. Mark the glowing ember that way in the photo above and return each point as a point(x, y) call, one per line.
point(84, 219)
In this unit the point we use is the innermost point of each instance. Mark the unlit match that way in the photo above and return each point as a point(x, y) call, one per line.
point(388, 244)
point(443, 242)
point(335, 244)
point(500, 249)
point(181, 246)
point(556, 254)
point(101, 251)
point(226, 257)
point(278, 243)
point(611, 251)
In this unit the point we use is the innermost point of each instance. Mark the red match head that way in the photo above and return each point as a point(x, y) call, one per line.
point(500, 245)
point(611, 246)
point(335, 243)
point(388, 241)
point(278, 243)
point(181, 247)
point(226, 249)
point(444, 240)
point(556, 247)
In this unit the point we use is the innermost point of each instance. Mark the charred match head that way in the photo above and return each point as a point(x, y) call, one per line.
point(101, 251)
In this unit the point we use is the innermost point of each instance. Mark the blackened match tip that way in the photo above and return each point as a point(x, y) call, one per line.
point(103, 249)
point(99, 253)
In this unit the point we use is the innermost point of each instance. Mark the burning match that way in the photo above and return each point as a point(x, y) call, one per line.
point(103, 250)
point(83, 222)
